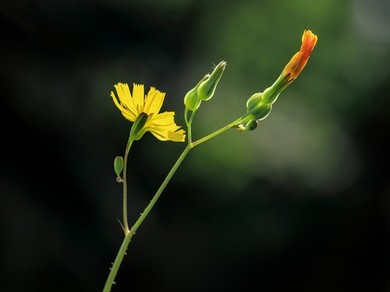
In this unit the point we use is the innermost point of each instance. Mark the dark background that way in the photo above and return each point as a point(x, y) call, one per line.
point(300, 204)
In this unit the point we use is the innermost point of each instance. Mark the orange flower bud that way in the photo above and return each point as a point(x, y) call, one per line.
point(259, 105)
point(299, 60)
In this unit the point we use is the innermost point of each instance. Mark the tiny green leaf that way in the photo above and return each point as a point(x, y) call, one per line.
point(118, 167)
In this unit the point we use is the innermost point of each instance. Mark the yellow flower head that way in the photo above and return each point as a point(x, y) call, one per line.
point(299, 60)
point(161, 125)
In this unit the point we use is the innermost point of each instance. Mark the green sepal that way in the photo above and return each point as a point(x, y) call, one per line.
point(253, 101)
point(271, 94)
point(257, 108)
point(138, 128)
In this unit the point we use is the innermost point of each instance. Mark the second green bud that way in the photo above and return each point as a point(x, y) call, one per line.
point(205, 89)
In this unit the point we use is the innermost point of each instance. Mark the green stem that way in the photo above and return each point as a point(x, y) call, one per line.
point(217, 132)
point(118, 260)
point(150, 206)
point(124, 181)
point(189, 124)
point(137, 224)
point(130, 233)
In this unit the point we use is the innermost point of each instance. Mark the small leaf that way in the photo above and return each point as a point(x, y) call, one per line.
point(118, 167)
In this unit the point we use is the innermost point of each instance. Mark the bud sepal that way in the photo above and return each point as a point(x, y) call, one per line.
point(138, 129)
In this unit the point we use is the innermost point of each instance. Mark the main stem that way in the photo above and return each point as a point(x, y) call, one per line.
point(130, 233)
point(137, 224)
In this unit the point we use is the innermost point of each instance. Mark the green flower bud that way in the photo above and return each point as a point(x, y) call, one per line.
point(253, 101)
point(261, 111)
point(118, 167)
point(207, 88)
point(191, 99)
point(257, 108)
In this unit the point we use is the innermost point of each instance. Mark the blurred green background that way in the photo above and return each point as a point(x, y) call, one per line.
point(300, 204)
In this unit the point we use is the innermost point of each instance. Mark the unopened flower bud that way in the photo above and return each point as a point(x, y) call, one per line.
point(257, 108)
point(293, 68)
point(254, 100)
point(259, 105)
point(118, 167)
point(207, 88)
point(299, 60)
point(191, 99)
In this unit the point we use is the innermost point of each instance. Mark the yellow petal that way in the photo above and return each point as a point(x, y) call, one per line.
point(178, 136)
point(163, 119)
point(127, 113)
point(138, 98)
point(164, 128)
point(159, 134)
point(125, 98)
point(163, 135)
point(153, 101)
point(124, 95)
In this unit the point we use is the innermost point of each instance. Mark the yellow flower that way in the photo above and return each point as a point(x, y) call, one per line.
point(132, 106)
point(299, 60)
